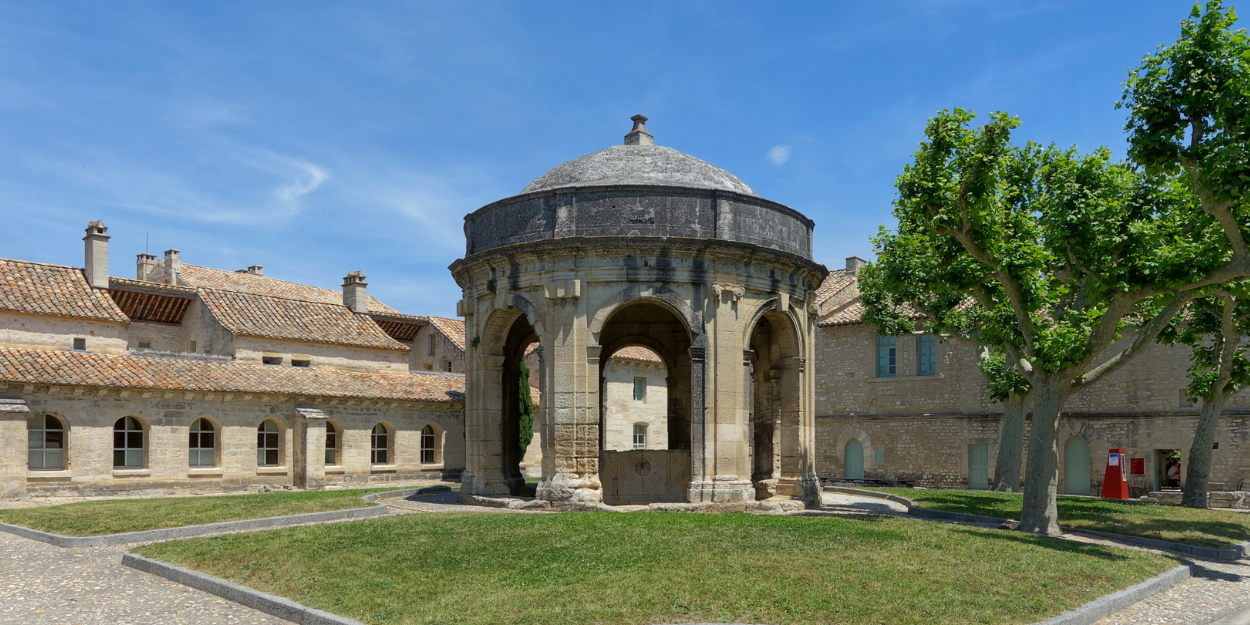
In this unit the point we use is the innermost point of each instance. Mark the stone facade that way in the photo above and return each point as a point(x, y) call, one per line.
point(920, 427)
point(83, 354)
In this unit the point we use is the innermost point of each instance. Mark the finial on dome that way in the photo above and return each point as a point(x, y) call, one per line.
point(639, 135)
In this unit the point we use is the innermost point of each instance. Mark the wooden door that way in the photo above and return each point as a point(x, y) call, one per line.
point(854, 460)
point(978, 467)
point(1076, 467)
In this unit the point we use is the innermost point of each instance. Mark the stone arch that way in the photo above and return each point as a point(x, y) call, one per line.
point(433, 453)
point(494, 414)
point(628, 295)
point(215, 439)
point(129, 447)
point(864, 438)
point(779, 461)
point(52, 432)
point(768, 306)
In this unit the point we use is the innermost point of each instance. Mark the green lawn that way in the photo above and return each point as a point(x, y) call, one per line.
point(93, 518)
point(1191, 526)
point(636, 568)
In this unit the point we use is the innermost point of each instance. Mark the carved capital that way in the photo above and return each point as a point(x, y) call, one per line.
point(733, 291)
point(564, 289)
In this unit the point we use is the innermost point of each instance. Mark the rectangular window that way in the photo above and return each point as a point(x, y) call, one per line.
point(301, 363)
point(192, 350)
point(926, 352)
point(271, 360)
point(431, 352)
point(145, 345)
point(332, 443)
point(447, 366)
point(429, 366)
point(886, 357)
point(640, 390)
point(80, 345)
point(640, 436)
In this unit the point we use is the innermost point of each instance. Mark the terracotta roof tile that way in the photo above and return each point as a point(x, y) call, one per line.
point(100, 370)
point(636, 353)
point(835, 287)
point(451, 328)
point(852, 312)
point(223, 280)
point(57, 290)
point(247, 314)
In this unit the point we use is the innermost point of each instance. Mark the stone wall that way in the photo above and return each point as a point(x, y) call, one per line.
point(254, 350)
point(623, 412)
point(166, 422)
point(40, 332)
point(445, 351)
point(159, 336)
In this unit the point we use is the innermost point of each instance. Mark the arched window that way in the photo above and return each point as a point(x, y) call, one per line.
point(379, 448)
point(332, 445)
point(46, 438)
point(127, 444)
point(854, 460)
point(640, 436)
point(203, 445)
point(428, 441)
point(267, 439)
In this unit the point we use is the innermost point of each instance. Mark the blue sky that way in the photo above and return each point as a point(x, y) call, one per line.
point(317, 138)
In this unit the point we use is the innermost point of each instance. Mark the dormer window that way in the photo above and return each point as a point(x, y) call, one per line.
point(80, 344)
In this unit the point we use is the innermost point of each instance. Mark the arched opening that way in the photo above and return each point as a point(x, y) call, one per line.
point(128, 444)
point(380, 445)
point(658, 399)
point(854, 460)
point(268, 444)
point(1076, 462)
point(431, 444)
point(775, 402)
point(46, 442)
point(202, 446)
point(333, 441)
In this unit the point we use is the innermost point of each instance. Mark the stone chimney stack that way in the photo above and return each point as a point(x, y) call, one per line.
point(854, 264)
point(97, 255)
point(144, 265)
point(639, 135)
point(256, 270)
point(173, 265)
point(354, 297)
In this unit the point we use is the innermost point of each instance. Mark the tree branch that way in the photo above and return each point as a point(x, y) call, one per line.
point(1144, 336)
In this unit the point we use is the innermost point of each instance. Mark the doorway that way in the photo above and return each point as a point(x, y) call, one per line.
point(1165, 477)
point(1076, 461)
point(979, 467)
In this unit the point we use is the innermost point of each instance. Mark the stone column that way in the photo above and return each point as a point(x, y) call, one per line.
point(13, 445)
point(571, 378)
point(483, 474)
point(310, 452)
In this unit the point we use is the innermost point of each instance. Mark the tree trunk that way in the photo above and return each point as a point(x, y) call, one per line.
point(1010, 446)
point(1198, 473)
point(1040, 514)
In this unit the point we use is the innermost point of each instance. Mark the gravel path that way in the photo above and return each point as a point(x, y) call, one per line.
point(44, 584)
point(1216, 589)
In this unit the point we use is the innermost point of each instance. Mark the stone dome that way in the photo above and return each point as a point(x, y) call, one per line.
point(639, 165)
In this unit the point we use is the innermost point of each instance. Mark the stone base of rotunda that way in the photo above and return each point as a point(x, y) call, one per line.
point(573, 489)
point(722, 489)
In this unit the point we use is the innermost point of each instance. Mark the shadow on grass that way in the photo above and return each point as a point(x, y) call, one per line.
point(1101, 552)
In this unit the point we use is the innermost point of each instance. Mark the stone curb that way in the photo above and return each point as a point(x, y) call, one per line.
point(1235, 552)
point(188, 531)
point(242, 595)
point(1116, 601)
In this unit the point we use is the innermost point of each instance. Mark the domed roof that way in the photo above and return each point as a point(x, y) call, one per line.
point(639, 163)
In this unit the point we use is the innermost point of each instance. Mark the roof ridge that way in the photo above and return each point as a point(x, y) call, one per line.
point(289, 299)
point(35, 262)
point(252, 275)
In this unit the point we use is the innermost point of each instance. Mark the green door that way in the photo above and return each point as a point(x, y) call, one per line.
point(854, 460)
point(1076, 466)
point(978, 467)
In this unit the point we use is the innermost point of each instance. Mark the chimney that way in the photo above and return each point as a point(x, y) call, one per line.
point(854, 264)
point(144, 264)
point(173, 265)
point(256, 270)
point(354, 297)
point(639, 135)
point(97, 253)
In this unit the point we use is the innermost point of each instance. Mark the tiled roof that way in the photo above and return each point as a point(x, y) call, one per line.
point(400, 327)
point(39, 289)
point(636, 353)
point(451, 328)
point(247, 314)
point(835, 286)
point(150, 301)
point(89, 369)
point(852, 313)
point(222, 280)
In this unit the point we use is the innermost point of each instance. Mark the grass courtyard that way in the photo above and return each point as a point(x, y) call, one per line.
point(94, 518)
point(1191, 526)
point(661, 568)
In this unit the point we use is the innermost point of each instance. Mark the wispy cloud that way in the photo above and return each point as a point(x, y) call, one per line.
point(779, 154)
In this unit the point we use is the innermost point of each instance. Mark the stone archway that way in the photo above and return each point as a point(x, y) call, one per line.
point(778, 462)
point(654, 475)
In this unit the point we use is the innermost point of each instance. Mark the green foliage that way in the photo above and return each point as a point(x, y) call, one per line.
point(1002, 378)
point(1215, 327)
point(527, 408)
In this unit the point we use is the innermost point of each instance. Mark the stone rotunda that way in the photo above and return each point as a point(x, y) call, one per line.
point(642, 245)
